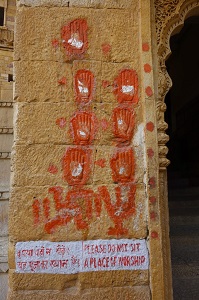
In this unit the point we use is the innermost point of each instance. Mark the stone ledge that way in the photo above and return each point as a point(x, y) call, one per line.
point(73, 293)
point(6, 104)
point(121, 4)
point(6, 130)
point(5, 155)
point(4, 195)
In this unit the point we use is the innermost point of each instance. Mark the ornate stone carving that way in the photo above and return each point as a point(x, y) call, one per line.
point(169, 14)
point(5, 155)
point(6, 104)
point(6, 130)
point(4, 195)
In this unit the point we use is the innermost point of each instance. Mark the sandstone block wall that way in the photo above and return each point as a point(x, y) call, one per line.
point(85, 150)
point(6, 133)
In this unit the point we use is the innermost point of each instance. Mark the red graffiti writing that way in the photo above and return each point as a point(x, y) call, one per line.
point(123, 165)
point(123, 124)
point(77, 206)
point(74, 37)
point(46, 208)
point(36, 211)
point(83, 128)
point(82, 205)
point(126, 86)
point(84, 86)
point(76, 165)
point(121, 209)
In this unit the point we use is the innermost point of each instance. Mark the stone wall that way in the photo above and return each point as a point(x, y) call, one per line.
point(84, 214)
point(6, 133)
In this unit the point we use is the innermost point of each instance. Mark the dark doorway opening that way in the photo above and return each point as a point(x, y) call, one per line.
point(1, 16)
point(183, 174)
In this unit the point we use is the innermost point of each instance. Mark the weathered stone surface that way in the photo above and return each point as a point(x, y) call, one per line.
point(109, 73)
point(6, 140)
point(36, 42)
point(6, 117)
point(43, 2)
point(131, 293)
point(3, 247)
point(50, 123)
point(121, 4)
point(80, 166)
point(29, 87)
point(84, 280)
point(34, 161)
point(103, 174)
point(4, 217)
point(5, 173)
point(3, 285)
point(97, 225)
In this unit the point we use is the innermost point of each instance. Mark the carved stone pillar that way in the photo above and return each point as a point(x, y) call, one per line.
point(169, 17)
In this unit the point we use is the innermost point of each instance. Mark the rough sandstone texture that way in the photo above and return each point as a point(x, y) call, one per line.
point(45, 102)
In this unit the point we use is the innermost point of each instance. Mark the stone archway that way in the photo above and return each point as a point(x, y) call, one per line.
point(169, 19)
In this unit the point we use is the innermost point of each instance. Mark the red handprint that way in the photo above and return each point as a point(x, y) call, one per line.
point(126, 86)
point(74, 37)
point(84, 86)
point(82, 128)
point(123, 124)
point(122, 209)
point(76, 166)
point(123, 166)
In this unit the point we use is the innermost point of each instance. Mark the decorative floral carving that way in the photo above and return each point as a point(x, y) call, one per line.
point(163, 10)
